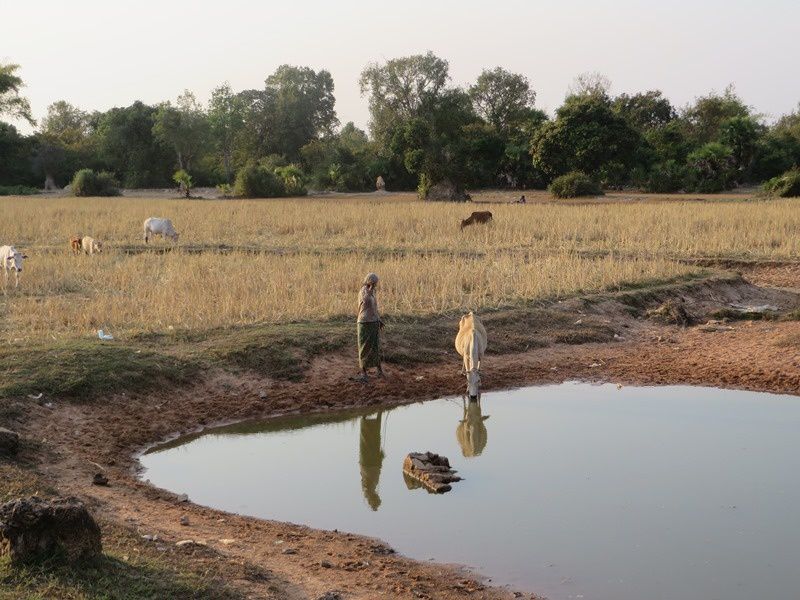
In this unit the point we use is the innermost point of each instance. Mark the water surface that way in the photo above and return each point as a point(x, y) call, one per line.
point(570, 491)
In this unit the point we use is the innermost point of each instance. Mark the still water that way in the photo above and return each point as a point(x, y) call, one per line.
point(570, 491)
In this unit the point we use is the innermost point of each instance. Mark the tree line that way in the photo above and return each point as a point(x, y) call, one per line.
point(423, 130)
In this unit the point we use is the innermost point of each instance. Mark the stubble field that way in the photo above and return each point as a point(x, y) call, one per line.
point(272, 261)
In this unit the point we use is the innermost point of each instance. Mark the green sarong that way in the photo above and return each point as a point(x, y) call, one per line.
point(369, 345)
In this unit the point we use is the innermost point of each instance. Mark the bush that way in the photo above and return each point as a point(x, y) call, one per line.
point(711, 168)
point(88, 183)
point(184, 181)
point(257, 181)
point(784, 186)
point(292, 178)
point(17, 190)
point(662, 178)
point(574, 185)
point(225, 190)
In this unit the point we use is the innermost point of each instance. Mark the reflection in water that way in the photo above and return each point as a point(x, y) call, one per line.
point(370, 458)
point(471, 432)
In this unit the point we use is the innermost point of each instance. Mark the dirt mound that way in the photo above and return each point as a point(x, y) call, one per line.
point(34, 528)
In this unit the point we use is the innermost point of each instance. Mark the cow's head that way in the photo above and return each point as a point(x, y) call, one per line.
point(173, 236)
point(98, 247)
point(473, 384)
point(15, 261)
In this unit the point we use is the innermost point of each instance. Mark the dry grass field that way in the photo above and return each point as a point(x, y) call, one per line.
point(271, 261)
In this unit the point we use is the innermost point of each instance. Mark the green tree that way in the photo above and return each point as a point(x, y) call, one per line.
point(645, 111)
point(741, 135)
point(706, 116)
point(182, 128)
point(127, 146)
point(588, 136)
point(16, 151)
point(401, 89)
point(501, 98)
point(226, 117)
point(12, 103)
point(711, 168)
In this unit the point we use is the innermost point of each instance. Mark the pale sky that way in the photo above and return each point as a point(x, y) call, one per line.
point(97, 55)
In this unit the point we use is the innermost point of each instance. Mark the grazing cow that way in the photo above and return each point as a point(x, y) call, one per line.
point(471, 432)
point(75, 243)
point(162, 227)
point(471, 345)
point(91, 246)
point(481, 216)
point(12, 261)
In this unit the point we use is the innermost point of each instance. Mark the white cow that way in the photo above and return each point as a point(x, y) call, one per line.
point(91, 246)
point(162, 227)
point(12, 261)
point(471, 345)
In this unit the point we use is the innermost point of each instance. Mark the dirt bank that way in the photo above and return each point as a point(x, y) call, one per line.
point(69, 441)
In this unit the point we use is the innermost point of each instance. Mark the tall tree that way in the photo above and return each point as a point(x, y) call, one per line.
point(587, 135)
point(706, 116)
point(646, 110)
point(590, 83)
point(183, 128)
point(400, 89)
point(226, 120)
point(128, 147)
point(502, 98)
point(12, 103)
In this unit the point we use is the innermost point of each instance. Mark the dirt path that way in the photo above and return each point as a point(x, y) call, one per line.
point(267, 559)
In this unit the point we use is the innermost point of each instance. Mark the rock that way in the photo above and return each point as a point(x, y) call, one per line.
point(59, 529)
point(331, 596)
point(380, 184)
point(99, 479)
point(326, 564)
point(671, 312)
point(183, 498)
point(184, 520)
point(288, 551)
point(431, 470)
point(9, 442)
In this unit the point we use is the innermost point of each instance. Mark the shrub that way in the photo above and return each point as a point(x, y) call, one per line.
point(225, 190)
point(257, 181)
point(662, 178)
point(88, 183)
point(292, 178)
point(184, 181)
point(786, 185)
point(711, 168)
point(17, 190)
point(574, 185)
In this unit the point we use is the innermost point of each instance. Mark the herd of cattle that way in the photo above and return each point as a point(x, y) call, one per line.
point(470, 341)
point(12, 259)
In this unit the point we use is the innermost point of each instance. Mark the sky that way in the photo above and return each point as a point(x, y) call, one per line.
point(97, 55)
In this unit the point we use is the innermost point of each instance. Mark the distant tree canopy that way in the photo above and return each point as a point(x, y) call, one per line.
point(423, 130)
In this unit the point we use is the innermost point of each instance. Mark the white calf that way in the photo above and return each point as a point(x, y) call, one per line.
point(12, 261)
point(162, 227)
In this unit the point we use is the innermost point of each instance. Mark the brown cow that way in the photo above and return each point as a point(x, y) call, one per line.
point(75, 244)
point(481, 216)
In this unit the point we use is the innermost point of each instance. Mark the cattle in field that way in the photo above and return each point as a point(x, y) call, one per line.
point(12, 261)
point(75, 243)
point(480, 216)
point(156, 226)
point(471, 345)
point(90, 246)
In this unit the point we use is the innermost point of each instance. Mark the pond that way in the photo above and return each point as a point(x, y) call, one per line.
point(569, 491)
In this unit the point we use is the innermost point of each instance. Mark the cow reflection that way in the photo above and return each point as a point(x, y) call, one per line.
point(370, 458)
point(471, 432)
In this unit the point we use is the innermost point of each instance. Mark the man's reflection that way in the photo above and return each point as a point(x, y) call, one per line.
point(471, 432)
point(370, 458)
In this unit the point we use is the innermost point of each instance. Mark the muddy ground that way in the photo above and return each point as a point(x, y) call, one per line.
point(67, 442)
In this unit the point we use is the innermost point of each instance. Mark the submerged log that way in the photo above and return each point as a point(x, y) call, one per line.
point(430, 470)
